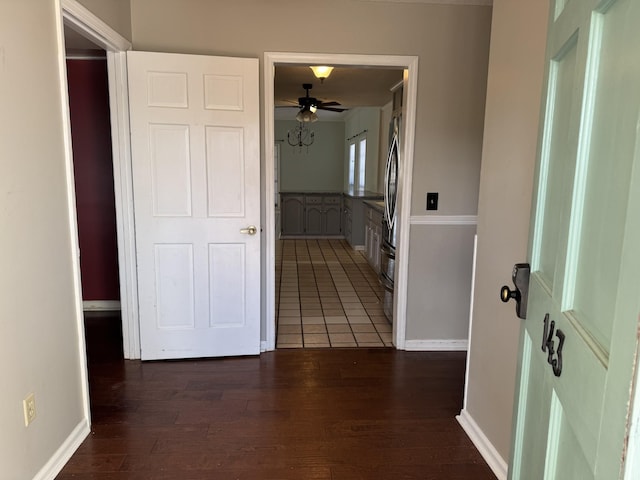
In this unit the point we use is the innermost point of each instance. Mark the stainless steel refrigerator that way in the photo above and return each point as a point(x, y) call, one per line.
point(388, 245)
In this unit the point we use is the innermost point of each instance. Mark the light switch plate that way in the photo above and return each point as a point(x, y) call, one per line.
point(432, 201)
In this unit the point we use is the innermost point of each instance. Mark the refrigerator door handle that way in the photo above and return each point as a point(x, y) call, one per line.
point(386, 282)
point(386, 250)
point(392, 159)
point(386, 187)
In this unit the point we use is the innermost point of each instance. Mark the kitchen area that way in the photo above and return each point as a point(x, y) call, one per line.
point(335, 179)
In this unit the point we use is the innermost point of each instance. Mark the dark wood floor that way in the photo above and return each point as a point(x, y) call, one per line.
point(336, 414)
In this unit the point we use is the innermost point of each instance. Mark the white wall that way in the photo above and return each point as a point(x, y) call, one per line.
point(41, 346)
point(316, 168)
point(511, 125)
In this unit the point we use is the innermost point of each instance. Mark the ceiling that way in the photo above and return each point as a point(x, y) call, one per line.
point(349, 86)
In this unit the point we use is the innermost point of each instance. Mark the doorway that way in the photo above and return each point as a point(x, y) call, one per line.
point(410, 65)
point(328, 293)
point(84, 26)
point(95, 200)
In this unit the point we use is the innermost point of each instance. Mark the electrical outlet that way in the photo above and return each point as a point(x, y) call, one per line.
point(29, 406)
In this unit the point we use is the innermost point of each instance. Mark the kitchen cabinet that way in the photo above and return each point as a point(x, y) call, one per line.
point(313, 214)
point(332, 215)
point(292, 211)
point(353, 222)
point(373, 234)
point(354, 217)
point(346, 223)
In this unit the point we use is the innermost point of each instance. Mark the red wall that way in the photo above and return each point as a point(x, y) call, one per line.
point(92, 160)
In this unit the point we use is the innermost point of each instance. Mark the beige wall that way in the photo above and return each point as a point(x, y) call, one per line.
point(516, 67)
point(440, 301)
point(452, 43)
point(115, 13)
point(40, 347)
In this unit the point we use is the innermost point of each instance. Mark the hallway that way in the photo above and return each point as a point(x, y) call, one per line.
point(327, 295)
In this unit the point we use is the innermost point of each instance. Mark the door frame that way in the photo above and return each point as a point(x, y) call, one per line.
point(80, 19)
point(410, 65)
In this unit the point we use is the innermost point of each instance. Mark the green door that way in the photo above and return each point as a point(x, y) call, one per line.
point(581, 333)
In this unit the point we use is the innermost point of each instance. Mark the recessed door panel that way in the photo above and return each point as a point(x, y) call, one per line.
point(170, 170)
point(228, 300)
point(167, 89)
point(223, 92)
point(556, 164)
point(565, 458)
point(174, 280)
point(600, 203)
point(225, 171)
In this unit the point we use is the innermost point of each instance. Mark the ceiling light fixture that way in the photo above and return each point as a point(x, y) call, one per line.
point(307, 115)
point(321, 71)
point(301, 136)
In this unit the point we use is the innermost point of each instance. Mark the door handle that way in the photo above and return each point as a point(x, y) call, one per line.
point(386, 250)
point(520, 278)
point(250, 230)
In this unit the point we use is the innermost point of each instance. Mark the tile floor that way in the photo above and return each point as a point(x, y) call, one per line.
point(327, 295)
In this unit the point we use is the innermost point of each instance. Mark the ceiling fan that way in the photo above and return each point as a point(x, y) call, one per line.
point(308, 106)
point(309, 102)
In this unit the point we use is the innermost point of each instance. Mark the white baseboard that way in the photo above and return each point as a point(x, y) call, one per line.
point(100, 305)
point(310, 237)
point(443, 220)
point(484, 446)
point(436, 345)
point(470, 334)
point(59, 459)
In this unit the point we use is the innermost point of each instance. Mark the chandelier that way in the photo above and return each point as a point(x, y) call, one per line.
point(300, 136)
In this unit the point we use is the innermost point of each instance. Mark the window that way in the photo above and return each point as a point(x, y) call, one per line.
point(362, 163)
point(357, 163)
point(352, 165)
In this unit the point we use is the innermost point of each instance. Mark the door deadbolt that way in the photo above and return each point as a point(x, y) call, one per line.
point(520, 278)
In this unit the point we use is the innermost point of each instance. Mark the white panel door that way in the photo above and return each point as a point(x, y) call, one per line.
point(580, 338)
point(196, 181)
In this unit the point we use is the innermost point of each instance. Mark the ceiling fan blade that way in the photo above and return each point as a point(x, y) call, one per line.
point(330, 104)
point(331, 109)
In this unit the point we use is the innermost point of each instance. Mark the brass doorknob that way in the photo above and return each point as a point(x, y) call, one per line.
point(507, 294)
point(250, 230)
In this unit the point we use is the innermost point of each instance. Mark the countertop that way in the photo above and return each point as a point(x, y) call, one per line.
point(311, 192)
point(359, 194)
point(363, 194)
point(377, 205)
